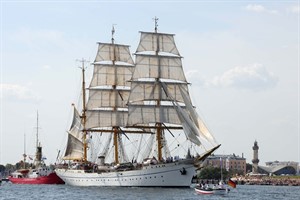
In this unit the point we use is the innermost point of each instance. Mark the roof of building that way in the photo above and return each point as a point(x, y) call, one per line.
point(279, 169)
point(233, 156)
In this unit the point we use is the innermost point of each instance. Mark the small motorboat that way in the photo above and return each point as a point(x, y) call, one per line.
point(219, 189)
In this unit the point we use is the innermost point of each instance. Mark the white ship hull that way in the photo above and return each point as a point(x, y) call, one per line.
point(161, 175)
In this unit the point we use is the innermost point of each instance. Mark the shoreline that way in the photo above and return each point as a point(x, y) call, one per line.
point(267, 180)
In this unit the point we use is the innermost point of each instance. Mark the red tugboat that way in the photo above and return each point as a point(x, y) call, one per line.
point(35, 176)
point(39, 173)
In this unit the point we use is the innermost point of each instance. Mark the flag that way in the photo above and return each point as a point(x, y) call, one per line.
point(231, 183)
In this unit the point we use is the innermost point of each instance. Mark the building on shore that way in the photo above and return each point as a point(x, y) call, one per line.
point(227, 162)
point(279, 168)
point(274, 167)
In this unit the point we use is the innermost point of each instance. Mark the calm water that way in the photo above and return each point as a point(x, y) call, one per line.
point(61, 192)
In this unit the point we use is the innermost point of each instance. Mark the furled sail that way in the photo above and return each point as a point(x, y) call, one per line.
point(202, 128)
point(74, 150)
point(190, 129)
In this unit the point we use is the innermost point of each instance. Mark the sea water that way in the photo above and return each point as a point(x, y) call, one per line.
point(10, 191)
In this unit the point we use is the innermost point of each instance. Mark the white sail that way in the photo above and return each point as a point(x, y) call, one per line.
point(149, 90)
point(147, 114)
point(104, 98)
point(109, 52)
point(158, 75)
point(161, 42)
point(122, 151)
point(189, 128)
point(159, 90)
point(106, 146)
point(74, 150)
point(109, 88)
point(98, 118)
point(167, 67)
point(106, 74)
point(203, 130)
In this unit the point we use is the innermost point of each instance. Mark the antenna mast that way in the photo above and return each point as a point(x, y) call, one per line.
point(24, 155)
point(112, 34)
point(156, 25)
point(37, 129)
point(38, 154)
point(83, 116)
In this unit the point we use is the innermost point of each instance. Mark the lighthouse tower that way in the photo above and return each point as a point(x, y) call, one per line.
point(255, 159)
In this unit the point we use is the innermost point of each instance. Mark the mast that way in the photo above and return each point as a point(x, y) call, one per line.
point(38, 154)
point(114, 86)
point(83, 116)
point(221, 163)
point(157, 80)
point(37, 129)
point(24, 154)
point(156, 25)
point(109, 89)
point(159, 97)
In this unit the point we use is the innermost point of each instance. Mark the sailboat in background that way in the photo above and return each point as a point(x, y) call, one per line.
point(138, 126)
point(39, 173)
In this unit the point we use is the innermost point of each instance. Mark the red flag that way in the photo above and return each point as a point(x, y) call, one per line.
point(231, 183)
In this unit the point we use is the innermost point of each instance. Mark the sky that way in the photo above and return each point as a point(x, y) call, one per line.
point(241, 58)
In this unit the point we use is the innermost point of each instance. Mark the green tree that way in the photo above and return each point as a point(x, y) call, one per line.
point(248, 168)
point(210, 173)
point(10, 167)
point(213, 173)
point(20, 165)
point(2, 168)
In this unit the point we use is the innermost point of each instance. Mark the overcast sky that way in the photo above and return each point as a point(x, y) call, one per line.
point(241, 57)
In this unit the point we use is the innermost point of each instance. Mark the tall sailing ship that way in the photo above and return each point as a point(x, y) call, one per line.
point(138, 126)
